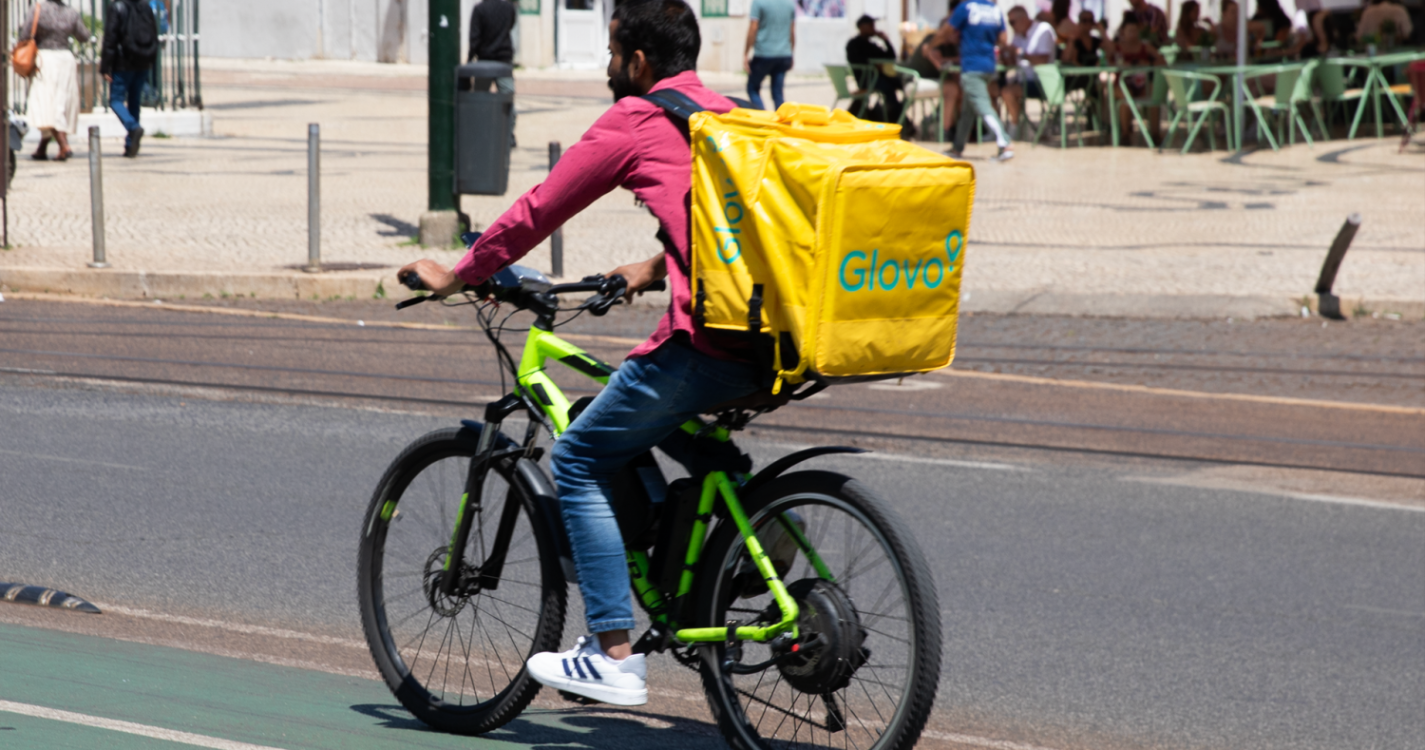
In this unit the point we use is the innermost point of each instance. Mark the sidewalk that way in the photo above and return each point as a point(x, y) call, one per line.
point(1081, 231)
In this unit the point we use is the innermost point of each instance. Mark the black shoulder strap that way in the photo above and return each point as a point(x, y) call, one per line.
point(678, 105)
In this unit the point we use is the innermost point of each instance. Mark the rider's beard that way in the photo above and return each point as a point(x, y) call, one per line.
point(622, 84)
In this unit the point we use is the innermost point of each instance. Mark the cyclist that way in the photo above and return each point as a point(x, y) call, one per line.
point(675, 375)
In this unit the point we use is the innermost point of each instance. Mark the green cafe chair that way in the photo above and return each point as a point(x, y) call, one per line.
point(1331, 76)
point(1170, 53)
point(1182, 85)
point(1157, 97)
point(1055, 97)
point(844, 83)
point(1293, 88)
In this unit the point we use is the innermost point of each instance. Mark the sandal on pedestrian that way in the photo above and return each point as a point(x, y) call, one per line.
point(37, 156)
point(64, 155)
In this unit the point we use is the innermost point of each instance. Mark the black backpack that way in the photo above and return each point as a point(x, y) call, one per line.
point(140, 41)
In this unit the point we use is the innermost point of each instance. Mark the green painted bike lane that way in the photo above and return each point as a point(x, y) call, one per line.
point(252, 703)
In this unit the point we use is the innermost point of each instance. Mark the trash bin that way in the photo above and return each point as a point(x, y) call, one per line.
point(482, 129)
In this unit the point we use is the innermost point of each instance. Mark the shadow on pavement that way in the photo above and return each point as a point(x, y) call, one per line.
point(602, 727)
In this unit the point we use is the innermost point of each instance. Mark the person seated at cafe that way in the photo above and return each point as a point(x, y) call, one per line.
point(1225, 48)
point(1082, 43)
point(870, 44)
point(1034, 43)
point(937, 56)
point(1130, 51)
point(1193, 30)
point(1269, 23)
point(1152, 21)
point(1376, 16)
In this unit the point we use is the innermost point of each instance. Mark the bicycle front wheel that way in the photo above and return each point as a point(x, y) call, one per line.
point(457, 660)
point(867, 661)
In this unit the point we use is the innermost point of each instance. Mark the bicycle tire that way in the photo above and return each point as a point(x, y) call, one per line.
point(404, 535)
point(807, 494)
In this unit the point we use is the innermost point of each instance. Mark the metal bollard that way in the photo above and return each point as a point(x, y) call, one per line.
point(314, 199)
point(556, 240)
point(1327, 304)
point(96, 197)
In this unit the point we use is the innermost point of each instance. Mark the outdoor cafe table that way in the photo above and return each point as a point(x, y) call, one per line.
point(1376, 80)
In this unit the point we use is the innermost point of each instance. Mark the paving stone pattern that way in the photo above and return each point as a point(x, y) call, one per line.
point(1096, 221)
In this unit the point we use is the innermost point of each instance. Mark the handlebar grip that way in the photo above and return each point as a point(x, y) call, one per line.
point(411, 280)
point(405, 303)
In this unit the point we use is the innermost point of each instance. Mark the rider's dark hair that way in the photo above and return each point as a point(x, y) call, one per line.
point(666, 31)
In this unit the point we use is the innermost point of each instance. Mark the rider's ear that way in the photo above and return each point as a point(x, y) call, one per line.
point(638, 65)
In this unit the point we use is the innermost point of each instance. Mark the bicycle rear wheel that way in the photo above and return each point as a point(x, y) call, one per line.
point(868, 663)
point(457, 661)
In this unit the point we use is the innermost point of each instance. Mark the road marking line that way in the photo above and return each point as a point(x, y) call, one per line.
point(65, 459)
point(143, 730)
point(967, 739)
point(1360, 501)
point(1277, 400)
point(1276, 492)
point(989, 465)
point(234, 627)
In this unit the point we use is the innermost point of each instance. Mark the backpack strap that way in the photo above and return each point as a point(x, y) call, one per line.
point(679, 107)
point(677, 104)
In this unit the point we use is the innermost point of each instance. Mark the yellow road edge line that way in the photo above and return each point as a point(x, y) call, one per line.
point(622, 341)
point(128, 727)
point(1150, 390)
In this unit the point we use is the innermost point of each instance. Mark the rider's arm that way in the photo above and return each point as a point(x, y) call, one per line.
point(601, 161)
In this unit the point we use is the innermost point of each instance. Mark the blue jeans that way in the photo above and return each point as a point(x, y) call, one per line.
point(645, 401)
point(125, 95)
point(761, 67)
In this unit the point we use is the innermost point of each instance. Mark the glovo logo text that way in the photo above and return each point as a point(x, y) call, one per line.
point(729, 240)
point(869, 272)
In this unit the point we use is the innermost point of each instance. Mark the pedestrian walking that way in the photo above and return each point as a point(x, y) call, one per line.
point(980, 27)
point(54, 91)
point(491, 24)
point(130, 48)
point(771, 38)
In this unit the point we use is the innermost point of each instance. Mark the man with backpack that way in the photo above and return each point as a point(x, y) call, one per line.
point(130, 48)
point(678, 373)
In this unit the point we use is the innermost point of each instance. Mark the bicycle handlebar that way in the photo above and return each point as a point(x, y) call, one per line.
point(610, 288)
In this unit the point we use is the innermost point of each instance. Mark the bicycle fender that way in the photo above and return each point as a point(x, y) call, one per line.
point(776, 468)
point(547, 498)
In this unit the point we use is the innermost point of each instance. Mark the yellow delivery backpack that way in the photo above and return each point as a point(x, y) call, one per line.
point(840, 241)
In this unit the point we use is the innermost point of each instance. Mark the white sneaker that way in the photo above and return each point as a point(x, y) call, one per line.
point(1005, 154)
point(585, 670)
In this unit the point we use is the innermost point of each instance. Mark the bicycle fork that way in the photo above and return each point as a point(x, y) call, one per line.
point(471, 505)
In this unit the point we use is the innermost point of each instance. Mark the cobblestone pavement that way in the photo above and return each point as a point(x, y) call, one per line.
point(1093, 222)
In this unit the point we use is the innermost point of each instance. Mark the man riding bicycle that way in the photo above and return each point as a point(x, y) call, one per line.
point(675, 375)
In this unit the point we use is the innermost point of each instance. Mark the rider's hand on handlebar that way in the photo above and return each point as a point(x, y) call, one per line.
point(640, 275)
point(434, 277)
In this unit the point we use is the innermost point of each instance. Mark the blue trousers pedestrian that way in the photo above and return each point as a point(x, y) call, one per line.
point(645, 401)
point(759, 68)
point(125, 98)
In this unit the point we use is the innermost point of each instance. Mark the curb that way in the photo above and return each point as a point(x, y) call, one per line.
point(175, 285)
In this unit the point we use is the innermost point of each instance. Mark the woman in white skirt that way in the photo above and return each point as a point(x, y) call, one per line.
point(54, 91)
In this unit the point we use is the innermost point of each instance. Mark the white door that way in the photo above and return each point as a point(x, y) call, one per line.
point(583, 34)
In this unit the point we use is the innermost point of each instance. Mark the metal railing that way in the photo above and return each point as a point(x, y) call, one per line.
point(174, 82)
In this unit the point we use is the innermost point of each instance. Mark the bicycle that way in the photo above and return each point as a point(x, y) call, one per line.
point(801, 599)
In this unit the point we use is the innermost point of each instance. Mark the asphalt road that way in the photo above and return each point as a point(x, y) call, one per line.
point(1093, 598)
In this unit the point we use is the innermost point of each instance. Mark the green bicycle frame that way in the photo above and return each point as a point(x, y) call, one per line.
point(534, 383)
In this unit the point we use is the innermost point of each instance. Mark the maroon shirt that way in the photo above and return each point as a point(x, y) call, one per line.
point(634, 145)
